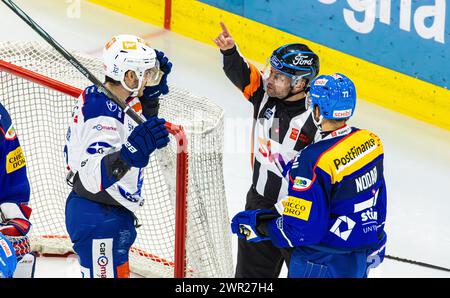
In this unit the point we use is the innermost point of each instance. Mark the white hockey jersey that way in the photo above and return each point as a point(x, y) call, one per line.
point(100, 127)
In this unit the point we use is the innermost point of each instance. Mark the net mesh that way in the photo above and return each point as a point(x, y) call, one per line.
point(41, 116)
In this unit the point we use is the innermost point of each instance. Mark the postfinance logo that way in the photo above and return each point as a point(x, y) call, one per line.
point(297, 207)
point(4, 245)
point(15, 160)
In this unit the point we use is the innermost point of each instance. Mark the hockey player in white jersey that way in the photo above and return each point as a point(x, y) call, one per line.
point(107, 152)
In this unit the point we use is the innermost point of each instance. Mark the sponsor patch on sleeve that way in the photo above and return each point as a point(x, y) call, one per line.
point(10, 133)
point(297, 207)
point(110, 43)
point(301, 183)
point(294, 134)
point(15, 160)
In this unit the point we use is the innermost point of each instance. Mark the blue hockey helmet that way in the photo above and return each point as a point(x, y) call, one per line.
point(334, 94)
point(296, 61)
point(8, 259)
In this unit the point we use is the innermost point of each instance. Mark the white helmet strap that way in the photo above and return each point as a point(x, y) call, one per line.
point(318, 123)
point(134, 92)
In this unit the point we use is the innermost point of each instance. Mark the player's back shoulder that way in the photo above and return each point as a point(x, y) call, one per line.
point(97, 104)
point(6, 127)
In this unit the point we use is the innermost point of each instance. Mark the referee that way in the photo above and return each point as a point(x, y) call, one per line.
point(282, 127)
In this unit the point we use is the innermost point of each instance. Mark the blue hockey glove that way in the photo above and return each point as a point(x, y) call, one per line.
point(145, 138)
point(244, 224)
point(151, 92)
point(150, 98)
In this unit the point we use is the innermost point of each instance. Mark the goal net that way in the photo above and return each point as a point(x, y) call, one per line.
point(41, 116)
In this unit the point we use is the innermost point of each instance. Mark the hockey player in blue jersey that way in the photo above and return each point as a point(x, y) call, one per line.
point(333, 217)
point(106, 153)
point(14, 195)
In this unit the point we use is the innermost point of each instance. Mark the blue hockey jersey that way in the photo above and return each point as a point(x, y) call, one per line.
point(14, 185)
point(337, 195)
point(100, 127)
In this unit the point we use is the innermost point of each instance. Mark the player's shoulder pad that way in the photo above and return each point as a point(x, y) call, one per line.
point(302, 170)
point(97, 104)
point(305, 162)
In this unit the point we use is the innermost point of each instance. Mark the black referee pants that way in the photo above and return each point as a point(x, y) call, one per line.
point(261, 259)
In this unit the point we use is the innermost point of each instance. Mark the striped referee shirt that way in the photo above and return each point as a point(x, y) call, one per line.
point(281, 129)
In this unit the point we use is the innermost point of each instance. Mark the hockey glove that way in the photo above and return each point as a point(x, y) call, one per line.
point(150, 98)
point(244, 224)
point(145, 138)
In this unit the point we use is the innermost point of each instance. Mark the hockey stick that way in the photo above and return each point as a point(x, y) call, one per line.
point(69, 57)
point(417, 263)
